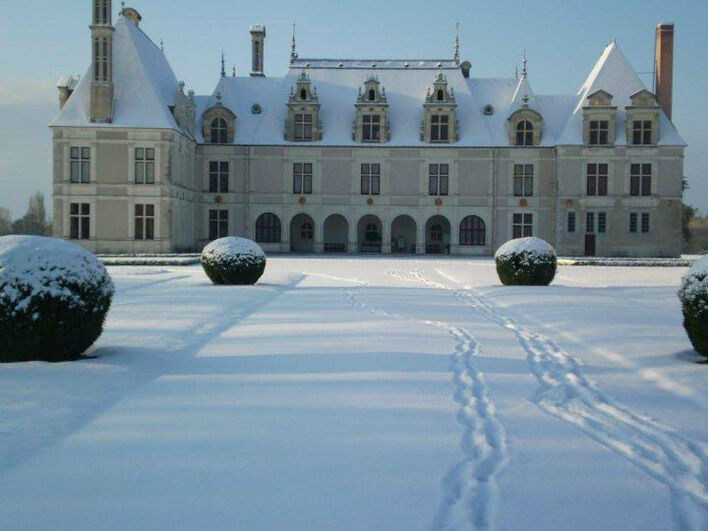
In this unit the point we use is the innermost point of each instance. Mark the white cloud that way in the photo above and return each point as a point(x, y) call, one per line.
point(27, 92)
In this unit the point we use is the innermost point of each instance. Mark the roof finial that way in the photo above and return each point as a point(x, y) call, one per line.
point(223, 64)
point(122, 5)
point(524, 72)
point(293, 47)
point(162, 46)
point(457, 42)
point(233, 71)
point(516, 72)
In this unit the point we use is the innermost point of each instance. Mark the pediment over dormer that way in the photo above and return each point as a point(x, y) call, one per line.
point(440, 94)
point(373, 93)
point(643, 98)
point(600, 98)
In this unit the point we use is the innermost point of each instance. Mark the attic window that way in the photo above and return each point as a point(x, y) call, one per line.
point(488, 110)
point(441, 96)
point(256, 109)
point(303, 94)
point(372, 95)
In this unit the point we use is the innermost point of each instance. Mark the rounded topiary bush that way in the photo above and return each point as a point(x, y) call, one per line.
point(526, 262)
point(233, 261)
point(694, 301)
point(54, 297)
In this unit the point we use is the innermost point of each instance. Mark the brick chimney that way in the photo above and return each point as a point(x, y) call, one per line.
point(665, 66)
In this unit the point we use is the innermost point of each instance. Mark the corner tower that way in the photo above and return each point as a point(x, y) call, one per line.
point(102, 62)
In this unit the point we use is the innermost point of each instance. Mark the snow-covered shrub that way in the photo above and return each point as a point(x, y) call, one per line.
point(54, 297)
point(694, 300)
point(233, 261)
point(526, 262)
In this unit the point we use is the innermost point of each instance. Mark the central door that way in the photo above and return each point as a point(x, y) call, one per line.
point(589, 245)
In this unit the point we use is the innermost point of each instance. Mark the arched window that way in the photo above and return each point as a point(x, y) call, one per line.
point(268, 228)
point(303, 94)
point(473, 231)
point(372, 233)
point(441, 95)
point(372, 95)
point(436, 233)
point(524, 133)
point(307, 231)
point(219, 131)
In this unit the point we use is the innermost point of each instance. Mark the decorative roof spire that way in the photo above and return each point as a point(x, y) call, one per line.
point(293, 47)
point(122, 5)
point(457, 43)
point(223, 64)
point(524, 72)
point(233, 71)
point(162, 46)
point(516, 72)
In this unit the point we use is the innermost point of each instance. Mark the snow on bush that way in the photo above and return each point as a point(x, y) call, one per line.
point(526, 262)
point(694, 301)
point(233, 261)
point(54, 297)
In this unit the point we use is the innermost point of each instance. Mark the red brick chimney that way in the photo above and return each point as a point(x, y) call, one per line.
point(665, 66)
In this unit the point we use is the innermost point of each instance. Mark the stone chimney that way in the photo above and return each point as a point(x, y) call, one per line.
point(132, 15)
point(66, 86)
point(102, 62)
point(258, 35)
point(665, 66)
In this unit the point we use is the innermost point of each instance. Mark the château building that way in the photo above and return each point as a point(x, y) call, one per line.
point(361, 155)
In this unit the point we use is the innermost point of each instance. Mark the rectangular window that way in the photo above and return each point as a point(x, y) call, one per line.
point(144, 166)
point(597, 179)
point(601, 222)
point(371, 131)
point(80, 164)
point(218, 177)
point(640, 179)
point(370, 179)
point(571, 221)
point(645, 222)
point(439, 128)
point(522, 225)
point(523, 180)
point(79, 221)
point(302, 178)
point(633, 222)
point(599, 132)
point(144, 222)
point(438, 179)
point(641, 132)
point(590, 222)
point(303, 126)
point(218, 224)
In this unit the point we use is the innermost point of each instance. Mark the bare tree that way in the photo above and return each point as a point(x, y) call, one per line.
point(5, 221)
point(34, 222)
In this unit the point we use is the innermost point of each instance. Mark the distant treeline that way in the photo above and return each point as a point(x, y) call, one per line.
point(34, 221)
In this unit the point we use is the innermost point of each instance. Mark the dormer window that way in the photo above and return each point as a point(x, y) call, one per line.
point(524, 133)
point(371, 121)
point(303, 124)
point(599, 133)
point(641, 132)
point(303, 94)
point(218, 125)
point(643, 119)
point(599, 119)
point(219, 131)
point(439, 118)
point(525, 127)
point(439, 128)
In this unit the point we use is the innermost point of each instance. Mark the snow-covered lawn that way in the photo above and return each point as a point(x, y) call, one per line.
point(366, 394)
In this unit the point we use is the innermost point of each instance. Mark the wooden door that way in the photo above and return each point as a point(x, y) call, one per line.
point(590, 245)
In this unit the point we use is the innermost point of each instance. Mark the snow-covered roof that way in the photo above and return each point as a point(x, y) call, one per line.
point(144, 85)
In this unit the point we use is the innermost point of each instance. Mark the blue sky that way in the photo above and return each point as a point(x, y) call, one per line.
point(42, 39)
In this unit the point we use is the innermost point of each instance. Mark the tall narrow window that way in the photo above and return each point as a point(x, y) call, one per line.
point(79, 221)
point(524, 133)
point(571, 221)
point(268, 228)
point(80, 164)
point(144, 222)
point(473, 231)
point(371, 131)
point(302, 178)
point(370, 179)
point(219, 131)
point(599, 132)
point(523, 180)
point(96, 60)
point(641, 132)
point(438, 179)
point(303, 126)
point(439, 128)
point(522, 225)
point(602, 222)
point(640, 179)
point(590, 222)
point(633, 222)
point(219, 177)
point(144, 166)
point(645, 222)
point(597, 179)
point(218, 224)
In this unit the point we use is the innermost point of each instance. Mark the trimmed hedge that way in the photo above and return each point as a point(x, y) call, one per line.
point(694, 302)
point(526, 262)
point(54, 297)
point(233, 261)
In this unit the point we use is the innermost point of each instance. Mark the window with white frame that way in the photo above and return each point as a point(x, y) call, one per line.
point(80, 164)
point(79, 221)
point(438, 179)
point(599, 133)
point(597, 178)
point(144, 166)
point(371, 128)
point(641, 132)
point(522, 225)
point(523, 180)
point(303, 126)
point(640, 179)
point(144, 222)
point(370, 179)
point(602, 222)
point(571, 221)
point(646, 222)
point(302, 178)
point(218, 177)
point(439, 128)
point(218, 224)
point(639, 222)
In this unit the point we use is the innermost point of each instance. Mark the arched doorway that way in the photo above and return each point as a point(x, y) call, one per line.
point(403, 235)
point(302, 234)
point(437, 235)
point(336, 234)
point(369, 236)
